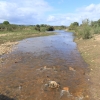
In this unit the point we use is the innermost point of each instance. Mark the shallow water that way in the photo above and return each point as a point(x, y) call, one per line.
point(36, 61)
point(60, 46)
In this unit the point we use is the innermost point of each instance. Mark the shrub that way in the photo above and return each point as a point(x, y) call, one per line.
point(50, 28)
point(6, 23)
point(84, 32)
point(96, 30)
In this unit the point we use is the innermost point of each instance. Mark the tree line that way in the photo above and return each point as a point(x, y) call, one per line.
point(6, 26)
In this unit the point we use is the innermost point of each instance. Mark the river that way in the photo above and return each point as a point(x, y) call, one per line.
point(37, 61)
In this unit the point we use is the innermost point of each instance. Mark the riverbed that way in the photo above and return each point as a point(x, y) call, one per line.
point(36, 61)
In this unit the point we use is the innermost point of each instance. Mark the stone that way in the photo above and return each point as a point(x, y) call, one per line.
point(53, 84)
point(66, 89)
point(71, 69)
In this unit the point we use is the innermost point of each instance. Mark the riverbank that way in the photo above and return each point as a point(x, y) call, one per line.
point(90, 51)
point(8, 39)
point(25, 73)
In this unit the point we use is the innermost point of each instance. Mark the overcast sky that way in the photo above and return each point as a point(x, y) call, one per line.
point(53, 12)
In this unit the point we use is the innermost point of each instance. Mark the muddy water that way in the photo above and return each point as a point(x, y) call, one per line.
point(28, 70)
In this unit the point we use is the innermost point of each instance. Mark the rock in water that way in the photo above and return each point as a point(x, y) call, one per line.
point(53, 84)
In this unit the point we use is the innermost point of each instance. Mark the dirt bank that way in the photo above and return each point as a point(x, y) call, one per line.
point(90, 50)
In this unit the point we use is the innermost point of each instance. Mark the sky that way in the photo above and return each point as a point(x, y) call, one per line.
point(52, 12)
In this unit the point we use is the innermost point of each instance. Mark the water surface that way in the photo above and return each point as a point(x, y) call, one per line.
point(38, 60)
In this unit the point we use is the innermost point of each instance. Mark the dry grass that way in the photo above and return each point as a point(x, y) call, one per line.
point(90, 50)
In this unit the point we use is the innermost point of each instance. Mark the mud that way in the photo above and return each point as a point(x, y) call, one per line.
point(26, 72)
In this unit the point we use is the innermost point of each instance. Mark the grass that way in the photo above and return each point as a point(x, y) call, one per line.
point(19, 35)
point(9, 39)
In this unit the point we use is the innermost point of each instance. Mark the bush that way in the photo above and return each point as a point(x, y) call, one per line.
point(37, 28)
point(6, 23)
point(96, 30)
point(50, 28)
point(84, 32)
point(42, 29)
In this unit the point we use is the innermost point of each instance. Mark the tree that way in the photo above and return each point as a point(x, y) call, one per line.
point(75, 24)
point(6, 23)
point(50, 28)
point(85, 22)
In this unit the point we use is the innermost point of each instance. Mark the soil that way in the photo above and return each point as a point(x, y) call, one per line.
point(25, 73)
point(90, 50)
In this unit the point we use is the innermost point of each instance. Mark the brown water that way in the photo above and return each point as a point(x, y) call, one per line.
point(26, 72)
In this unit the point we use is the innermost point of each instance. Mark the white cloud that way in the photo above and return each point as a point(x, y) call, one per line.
point(24, 11)
point(92, 12)
point(51, 18)
point(34, 12)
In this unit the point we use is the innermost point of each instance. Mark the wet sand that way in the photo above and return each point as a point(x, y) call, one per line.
point(27, 71)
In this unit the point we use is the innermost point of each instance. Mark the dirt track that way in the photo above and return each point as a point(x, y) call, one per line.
point(26, 72)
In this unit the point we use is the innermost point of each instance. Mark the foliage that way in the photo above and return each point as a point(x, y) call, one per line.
point(87, 29)
point(73, 26)
point(62, 27)
point(6, 23)
point(85, 32)
point(5, 26)
point(50, 28)
point(37, 28)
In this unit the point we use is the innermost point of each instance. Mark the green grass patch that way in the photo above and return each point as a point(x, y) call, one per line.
point(19, 35)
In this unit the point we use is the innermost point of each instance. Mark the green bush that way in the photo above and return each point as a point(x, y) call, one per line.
point(96, 30)
point(84, 32)
point(50, 28)
point(6, 23)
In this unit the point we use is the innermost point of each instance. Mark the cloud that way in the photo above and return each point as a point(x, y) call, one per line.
point(23, 11)
point(92, 12)
point(35, 12)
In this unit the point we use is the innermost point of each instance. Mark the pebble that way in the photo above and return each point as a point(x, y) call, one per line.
point(66, 89)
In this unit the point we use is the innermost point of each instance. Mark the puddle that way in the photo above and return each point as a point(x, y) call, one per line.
point(36, 61)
